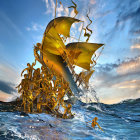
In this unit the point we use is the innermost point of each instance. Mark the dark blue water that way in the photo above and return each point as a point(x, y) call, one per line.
point(119, 121)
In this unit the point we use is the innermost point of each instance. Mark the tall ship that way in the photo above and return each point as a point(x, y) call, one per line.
point(46, 88)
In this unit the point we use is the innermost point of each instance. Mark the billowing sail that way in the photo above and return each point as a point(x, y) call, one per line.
point(62, 25)
point(53, 47)
point(52, 41)
point(81, 53)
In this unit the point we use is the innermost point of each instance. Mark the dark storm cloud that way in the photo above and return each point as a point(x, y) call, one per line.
point(6, 87)
point(111, 66)
point(108, 79)
point(136, 32)
point(132, 15)
point(106, 67)
point(109, 75)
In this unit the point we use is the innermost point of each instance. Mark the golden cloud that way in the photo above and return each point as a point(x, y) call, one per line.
point(128, 84)
point(130, 66)
point(136, 46)
point(4, 97)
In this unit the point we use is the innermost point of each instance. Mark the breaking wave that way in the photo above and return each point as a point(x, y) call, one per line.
point(119, 121)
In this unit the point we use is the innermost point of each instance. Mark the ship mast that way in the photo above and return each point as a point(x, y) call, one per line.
point(55, 9)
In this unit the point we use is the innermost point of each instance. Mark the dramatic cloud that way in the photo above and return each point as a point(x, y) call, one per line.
point(118, 27)
point(128, 84)
point(123, 13)
point(132, 66)
point(4, 97)
point(8, 73)
point(9, 79)
point(118, 81)
point(106, 67)
point(7, 87)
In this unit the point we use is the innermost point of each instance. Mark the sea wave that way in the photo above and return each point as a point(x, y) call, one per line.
point(119, 121)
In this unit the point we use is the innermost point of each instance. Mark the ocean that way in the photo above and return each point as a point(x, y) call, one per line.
point(119, 121)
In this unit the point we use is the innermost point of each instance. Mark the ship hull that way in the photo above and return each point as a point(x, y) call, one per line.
point(56, 63)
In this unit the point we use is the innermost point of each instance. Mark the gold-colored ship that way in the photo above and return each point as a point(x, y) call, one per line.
point(44, 89)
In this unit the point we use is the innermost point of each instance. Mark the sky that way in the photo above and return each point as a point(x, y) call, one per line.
point(115, 24)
